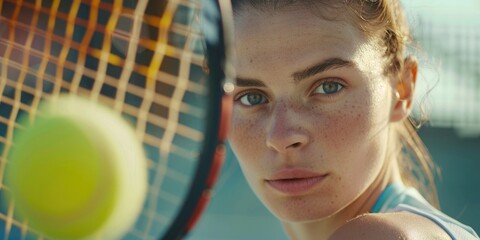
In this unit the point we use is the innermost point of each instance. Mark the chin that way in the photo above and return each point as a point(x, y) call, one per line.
point(301, 216)
point(301, 209)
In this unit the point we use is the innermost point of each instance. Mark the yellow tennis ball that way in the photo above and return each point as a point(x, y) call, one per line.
point(77, 172)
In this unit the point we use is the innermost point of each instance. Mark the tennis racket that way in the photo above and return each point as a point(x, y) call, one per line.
point(162, 67)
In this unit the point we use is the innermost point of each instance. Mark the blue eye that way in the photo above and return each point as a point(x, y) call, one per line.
point(252, 99)
point(329, 87)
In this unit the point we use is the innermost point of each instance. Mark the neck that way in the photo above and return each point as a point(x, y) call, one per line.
point(324, 228)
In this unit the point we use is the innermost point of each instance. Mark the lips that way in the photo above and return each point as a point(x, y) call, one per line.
point(295, 181)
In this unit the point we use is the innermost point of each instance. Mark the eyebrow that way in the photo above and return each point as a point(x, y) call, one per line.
point(247, 82)
point(325, 65)
point(328, 64)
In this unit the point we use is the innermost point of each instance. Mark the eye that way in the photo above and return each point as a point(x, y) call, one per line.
point(252, 98)
point(329, 87)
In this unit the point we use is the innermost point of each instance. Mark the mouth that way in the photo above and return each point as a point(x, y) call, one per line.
point(295, 181)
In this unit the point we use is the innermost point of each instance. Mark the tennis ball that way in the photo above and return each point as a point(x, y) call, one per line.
point(78, 171)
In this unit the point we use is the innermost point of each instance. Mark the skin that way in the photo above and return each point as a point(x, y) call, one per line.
point(336, 122)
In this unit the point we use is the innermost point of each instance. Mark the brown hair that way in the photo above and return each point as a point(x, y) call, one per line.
point(385, 19)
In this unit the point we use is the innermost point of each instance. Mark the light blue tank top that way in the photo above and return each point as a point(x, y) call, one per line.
point(396, 197)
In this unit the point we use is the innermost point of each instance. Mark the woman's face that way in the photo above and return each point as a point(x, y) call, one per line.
point(311, 113)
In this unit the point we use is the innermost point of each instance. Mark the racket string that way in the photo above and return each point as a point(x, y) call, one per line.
point(173, 111)
point(137, 91)
point(13, 114)
point(56, 62)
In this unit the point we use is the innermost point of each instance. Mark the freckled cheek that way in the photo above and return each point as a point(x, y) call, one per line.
point(344, 127)
point(245, 137)
point(247, 142)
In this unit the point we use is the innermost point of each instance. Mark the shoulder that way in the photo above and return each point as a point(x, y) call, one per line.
point(397, 225)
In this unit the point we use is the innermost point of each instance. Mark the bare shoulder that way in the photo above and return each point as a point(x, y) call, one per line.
point(399, 225)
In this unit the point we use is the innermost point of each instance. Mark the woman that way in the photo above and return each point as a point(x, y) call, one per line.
point(320, 120)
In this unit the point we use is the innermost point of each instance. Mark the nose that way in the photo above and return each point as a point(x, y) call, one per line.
point(287, 130)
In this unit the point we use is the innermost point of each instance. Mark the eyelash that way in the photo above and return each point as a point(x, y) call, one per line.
point(340, 87)
point(246, 93)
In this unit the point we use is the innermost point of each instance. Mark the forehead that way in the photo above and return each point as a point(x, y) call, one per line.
point(289, 25)
point(296, 37)
point(301, 14)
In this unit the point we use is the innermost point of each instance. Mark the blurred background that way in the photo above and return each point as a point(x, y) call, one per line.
point(448, 38)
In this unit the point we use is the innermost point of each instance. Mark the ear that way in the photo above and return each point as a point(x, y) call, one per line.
point(404, 89)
